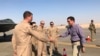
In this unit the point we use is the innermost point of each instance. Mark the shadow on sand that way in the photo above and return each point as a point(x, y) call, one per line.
point(98, 45)
point(6, 38)
point(55, 53)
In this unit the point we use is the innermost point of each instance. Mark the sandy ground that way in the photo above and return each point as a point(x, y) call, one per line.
point(91, 48)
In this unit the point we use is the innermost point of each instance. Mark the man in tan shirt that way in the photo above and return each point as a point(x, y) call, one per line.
point(53, 34)
point(42, 45)
point(22, 36)
point(34, 40)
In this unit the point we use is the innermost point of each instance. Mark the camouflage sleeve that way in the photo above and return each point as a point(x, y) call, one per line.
point(89, 27)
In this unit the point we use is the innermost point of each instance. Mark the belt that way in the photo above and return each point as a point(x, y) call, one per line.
point(75, 41)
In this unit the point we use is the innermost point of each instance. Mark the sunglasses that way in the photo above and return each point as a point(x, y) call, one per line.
point(68, 21)
point(51, 24)
point(42, 23)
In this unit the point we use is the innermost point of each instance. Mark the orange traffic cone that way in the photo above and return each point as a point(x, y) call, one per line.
point(88, 39)
point(64, 52)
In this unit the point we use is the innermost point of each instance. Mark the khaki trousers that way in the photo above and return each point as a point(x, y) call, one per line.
point(41, 49)
point(53, 46)
point(76, 48)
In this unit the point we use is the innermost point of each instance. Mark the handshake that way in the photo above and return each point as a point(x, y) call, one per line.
point(51, 40)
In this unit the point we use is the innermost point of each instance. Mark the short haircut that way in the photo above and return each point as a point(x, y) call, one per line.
point(32, 23)
point(27, 14)
point(71, 18)
point(92, 20)
point(51, 22)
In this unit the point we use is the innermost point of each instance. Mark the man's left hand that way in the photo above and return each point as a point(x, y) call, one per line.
point(83, 49)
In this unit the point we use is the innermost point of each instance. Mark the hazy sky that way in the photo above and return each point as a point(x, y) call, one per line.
point(51, 10)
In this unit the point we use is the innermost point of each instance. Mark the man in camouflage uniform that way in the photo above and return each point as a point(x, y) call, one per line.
point(92, 30)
